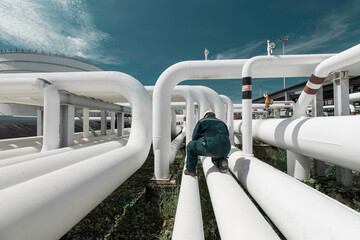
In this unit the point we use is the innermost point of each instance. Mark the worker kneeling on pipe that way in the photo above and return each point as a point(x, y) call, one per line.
point(210, 138)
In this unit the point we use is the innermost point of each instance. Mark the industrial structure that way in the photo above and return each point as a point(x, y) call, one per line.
point(62, 175)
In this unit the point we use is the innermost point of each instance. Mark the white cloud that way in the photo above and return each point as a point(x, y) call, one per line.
point(59, 26)
point(243, 51)
point(335, 32)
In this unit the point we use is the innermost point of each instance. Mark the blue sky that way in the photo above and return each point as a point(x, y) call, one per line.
point(144, 37)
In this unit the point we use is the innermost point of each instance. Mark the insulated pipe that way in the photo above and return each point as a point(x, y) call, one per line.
point(51, 137)
point(236, 215)
point(216, 102)
point(306, 136)
point(262, 105)
point(336, 62)
point(250, 67)
point(188, 220)
point(79, 144)
point(162, 98)
point(354, 97)
point(21, 172)
point(297, 210)
point(67, 195)
point(229, 116)
point(175, 146)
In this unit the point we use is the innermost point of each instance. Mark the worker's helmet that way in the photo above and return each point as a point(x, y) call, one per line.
point(209, 112)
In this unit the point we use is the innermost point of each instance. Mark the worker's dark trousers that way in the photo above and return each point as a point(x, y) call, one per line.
point(194, 150)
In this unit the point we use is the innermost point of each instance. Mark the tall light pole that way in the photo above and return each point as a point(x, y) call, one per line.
point(283, 40)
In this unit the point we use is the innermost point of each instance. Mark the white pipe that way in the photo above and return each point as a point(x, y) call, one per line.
point(298, 211)
point(21, 172)
point(188, 220)
point(51, 105)
point(216, 102)
point(162, 98)
point(23, 157)
point(236, 215)
point(354, 97)
point(229, 116)
point(262, 105)
point(306, 136)
point(67, 195)
point(336, 62)
point(252, 66)
point(86, 123)
point(175, 145)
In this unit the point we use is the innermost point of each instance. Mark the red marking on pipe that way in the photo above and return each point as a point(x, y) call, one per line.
point(287, 104)
point(352, 113)
point(310, 90)
point(255, 109)
point(246, 88)
point(316, 80)
point(184, 119)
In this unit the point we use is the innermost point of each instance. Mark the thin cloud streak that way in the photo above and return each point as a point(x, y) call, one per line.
point(333, 33)
point(58, 26)
point(241, 52)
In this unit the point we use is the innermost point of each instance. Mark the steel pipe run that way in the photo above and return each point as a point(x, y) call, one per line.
point(229, 116)
point(252, 66)
point(26, 85)
point(65, 196)
point(24, 171)
point(79, 144)
point(298, 211)
point(188, 219)
point(236, 215)
point(306, 136)
point(334, 63)
point(217, 105)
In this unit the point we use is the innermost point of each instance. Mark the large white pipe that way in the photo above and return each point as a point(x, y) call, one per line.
point(236, 215)
point(262, 105)
point(216, 102)
point(306, 136)
point(79, 144)
point(336, 62)
point(229, 116)
point(162, 96)
point(188, 220)
point(175, 146)
point(67, 195)
point(21, 172)
point(354, 97)
point(218, 69)
point(298, 211)
point(252, 66)
point(26, 85)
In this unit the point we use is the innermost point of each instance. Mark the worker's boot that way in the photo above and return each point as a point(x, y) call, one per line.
point(223, 165)
point(187, 172)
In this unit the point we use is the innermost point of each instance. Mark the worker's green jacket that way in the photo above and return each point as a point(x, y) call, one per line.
point(212, 136)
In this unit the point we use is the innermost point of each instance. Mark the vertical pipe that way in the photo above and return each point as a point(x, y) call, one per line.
point(120, 124)
point(341, 104)
point(39, 122)
point(67, 125)
point(229, 117)
point(51, 134)
point(112, 114)
point(298, 166)
point(317, 111)
point(103, 122)
point(85, 122)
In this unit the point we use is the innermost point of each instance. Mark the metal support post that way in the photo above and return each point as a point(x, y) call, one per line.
point(103, 122)
point(120, 123)
point(298, 166)
point(341, 104)
point(39, 121)
point(86, 122)
point(112, 114)
point(317, 110)
point(67, 125)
